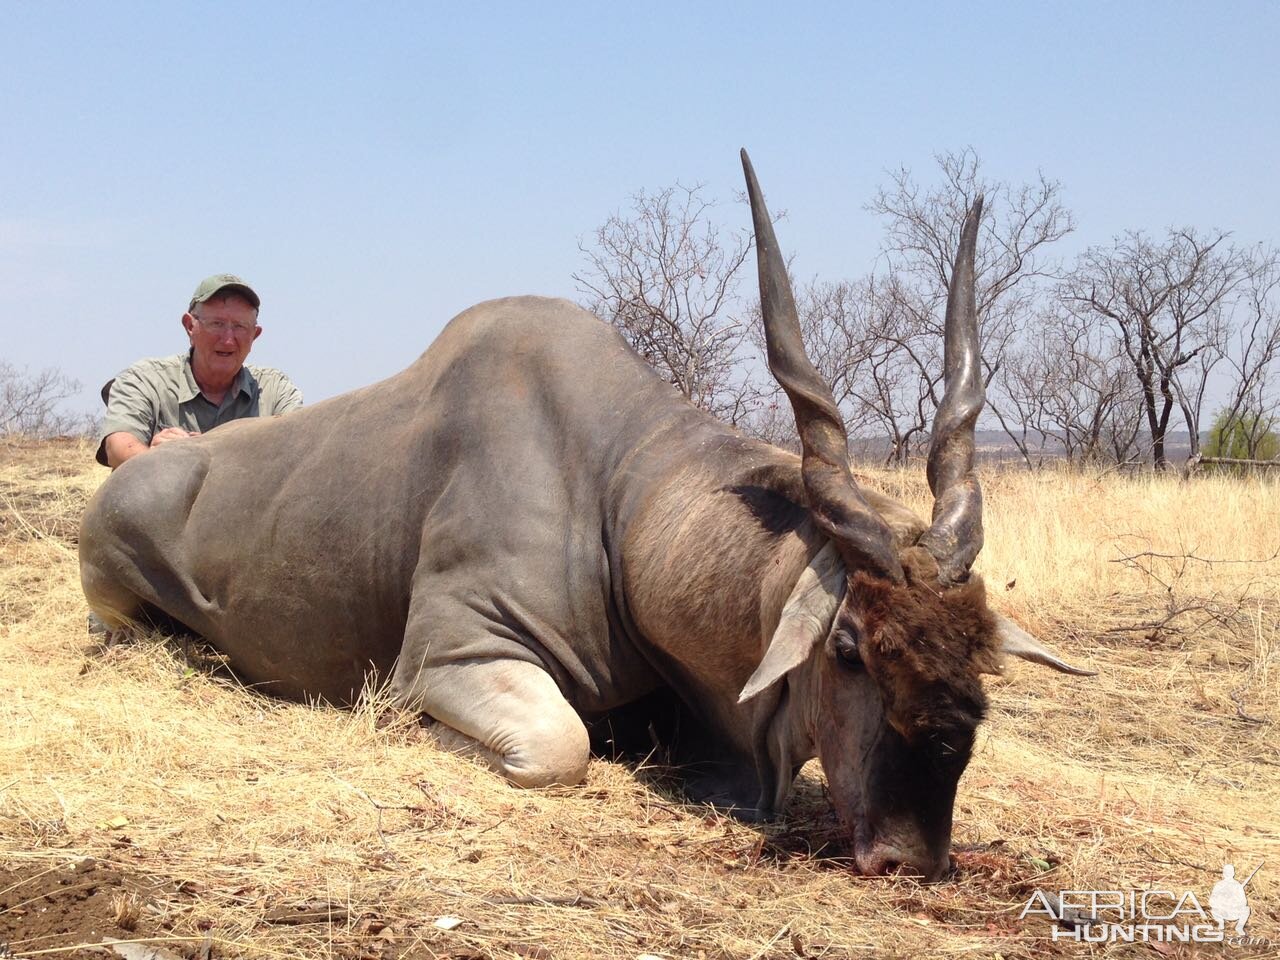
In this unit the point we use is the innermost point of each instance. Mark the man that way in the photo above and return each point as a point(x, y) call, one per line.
point(159, 401)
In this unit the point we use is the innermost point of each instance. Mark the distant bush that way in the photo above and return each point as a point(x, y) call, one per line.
point(31, 404)
point(1246, 436)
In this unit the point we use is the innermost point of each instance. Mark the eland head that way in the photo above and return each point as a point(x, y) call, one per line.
point(892, 638)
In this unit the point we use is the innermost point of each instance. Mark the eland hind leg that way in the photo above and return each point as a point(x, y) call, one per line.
point(131, 540)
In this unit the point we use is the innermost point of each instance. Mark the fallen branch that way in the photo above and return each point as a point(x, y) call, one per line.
point(313, 911)
point(1209, 561)
point(1197, 461)
point(1247, 718)
point(578, 900)
point(380, 807)
point(1172, 862)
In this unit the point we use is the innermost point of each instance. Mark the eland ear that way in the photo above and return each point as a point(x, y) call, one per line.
point(805, 621)
point(1016, 642)
point(791, 645)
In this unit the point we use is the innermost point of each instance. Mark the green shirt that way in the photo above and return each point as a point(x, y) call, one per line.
point(155, 394)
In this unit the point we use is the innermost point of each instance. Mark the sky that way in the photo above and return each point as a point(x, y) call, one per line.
point(374, 169)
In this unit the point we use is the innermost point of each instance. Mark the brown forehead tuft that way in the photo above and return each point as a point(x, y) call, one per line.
point(926, 646)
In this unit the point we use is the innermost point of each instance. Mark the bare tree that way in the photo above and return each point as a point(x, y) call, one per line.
point(666, 276)
point(878, 340)
point(833, 322)
point(1020, 225)
point(1253, 355)
point(1020, 381)
point(899, 383)
point(883, 364)
point(1071, 388)
point(771, 420)
point(1168, 304)
point(30, 403)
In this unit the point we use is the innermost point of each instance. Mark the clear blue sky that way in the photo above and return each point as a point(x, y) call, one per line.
point(373, 169)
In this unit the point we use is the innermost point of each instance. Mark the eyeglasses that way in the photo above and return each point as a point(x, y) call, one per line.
point(220, 327)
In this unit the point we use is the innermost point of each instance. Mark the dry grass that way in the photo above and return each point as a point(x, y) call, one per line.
point(286, 831)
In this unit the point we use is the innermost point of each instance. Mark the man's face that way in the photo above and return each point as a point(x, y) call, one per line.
point(222, 331)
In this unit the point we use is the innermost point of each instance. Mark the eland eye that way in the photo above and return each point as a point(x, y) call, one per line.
point(847, 651)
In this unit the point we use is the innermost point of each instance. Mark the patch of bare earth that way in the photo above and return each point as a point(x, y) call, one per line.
point(67, 910)
point(232, 825)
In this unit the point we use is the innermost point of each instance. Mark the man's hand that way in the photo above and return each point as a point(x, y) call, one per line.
point(171, 433)
point(122, 446)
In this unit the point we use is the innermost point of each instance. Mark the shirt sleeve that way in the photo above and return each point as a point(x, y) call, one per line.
point(131, 409)
point(287, 397)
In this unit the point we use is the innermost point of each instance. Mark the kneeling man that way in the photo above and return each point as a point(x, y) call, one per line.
point(160, 400)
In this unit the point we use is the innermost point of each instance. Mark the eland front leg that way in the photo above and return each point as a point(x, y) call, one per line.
point(508, 712)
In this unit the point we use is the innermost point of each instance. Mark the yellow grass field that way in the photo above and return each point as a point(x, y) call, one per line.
point(145, 796)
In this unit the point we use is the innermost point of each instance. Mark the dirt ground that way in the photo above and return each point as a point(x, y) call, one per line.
point(74, 911)
point(44, 907)
point(147, 798)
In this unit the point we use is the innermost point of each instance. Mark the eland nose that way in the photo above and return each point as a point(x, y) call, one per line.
point(886, 859)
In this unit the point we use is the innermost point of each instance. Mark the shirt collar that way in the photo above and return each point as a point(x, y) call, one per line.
point(243, 384)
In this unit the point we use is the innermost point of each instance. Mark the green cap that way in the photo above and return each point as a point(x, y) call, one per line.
point(223, 281)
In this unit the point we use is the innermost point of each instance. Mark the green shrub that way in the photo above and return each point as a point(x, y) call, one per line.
point(1246, 436)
